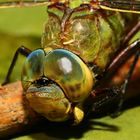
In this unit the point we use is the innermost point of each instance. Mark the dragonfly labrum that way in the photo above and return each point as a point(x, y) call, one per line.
point(82, 42)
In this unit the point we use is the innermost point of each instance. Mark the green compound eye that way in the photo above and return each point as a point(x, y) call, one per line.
point(33, 67)
point(70, 73)
point(55, 79)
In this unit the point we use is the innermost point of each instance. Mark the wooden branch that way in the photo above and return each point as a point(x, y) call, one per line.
point(15, 115)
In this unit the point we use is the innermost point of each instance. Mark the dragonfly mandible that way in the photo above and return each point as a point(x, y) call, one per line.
point(81, 44)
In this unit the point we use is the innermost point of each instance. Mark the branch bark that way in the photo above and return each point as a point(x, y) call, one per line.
point(15, 115)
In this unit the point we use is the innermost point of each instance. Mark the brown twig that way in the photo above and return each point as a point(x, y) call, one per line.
point(15, 115)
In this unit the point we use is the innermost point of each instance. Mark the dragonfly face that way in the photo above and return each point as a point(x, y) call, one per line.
point(54, 80)
point(57, 80)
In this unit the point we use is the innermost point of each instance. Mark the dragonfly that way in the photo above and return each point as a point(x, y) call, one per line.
point(80, 45)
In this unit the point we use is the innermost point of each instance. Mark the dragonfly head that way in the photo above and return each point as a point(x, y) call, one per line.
point(56, 83)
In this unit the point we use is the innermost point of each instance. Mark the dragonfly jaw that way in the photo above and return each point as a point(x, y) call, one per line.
point(78, 114)
point(56, 83)
point(49, 101)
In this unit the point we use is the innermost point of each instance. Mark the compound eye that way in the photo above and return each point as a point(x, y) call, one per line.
point(33, 67)
point(70, 73)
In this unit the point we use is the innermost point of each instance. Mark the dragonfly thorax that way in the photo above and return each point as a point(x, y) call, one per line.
point(88, 33)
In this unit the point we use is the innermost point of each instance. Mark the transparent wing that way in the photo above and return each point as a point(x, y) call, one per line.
point(132, 6)
point(22, 3)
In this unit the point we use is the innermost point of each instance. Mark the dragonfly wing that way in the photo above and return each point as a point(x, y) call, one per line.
point(22, 3)
point(132, 6)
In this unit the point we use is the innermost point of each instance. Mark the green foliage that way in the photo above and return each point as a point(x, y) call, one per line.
point(19, 26)
point(124, 127)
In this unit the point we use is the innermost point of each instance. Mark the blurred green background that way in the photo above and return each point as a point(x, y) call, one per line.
point(19, 26)
point(24, 26)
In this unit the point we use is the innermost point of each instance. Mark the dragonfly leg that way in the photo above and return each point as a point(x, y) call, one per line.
point(132, 32)
point(132, 50)
point(99, 98)
point(122, 57)
point(126, 82)
point(21, 50)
